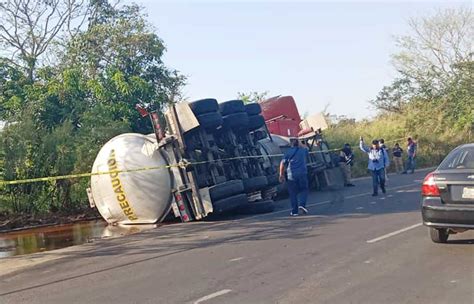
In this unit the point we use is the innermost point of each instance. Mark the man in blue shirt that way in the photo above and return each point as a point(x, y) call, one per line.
point(294, 162)
point(378, 161)
point(411, 153)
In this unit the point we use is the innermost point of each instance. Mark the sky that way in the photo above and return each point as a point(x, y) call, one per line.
point(335, 54)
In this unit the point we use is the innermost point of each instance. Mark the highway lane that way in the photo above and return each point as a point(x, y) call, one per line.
point(351, 248)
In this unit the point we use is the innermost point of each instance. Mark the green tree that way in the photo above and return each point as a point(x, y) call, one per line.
point(58, 121)
point(430, 55)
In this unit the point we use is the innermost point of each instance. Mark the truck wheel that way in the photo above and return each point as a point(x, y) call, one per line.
point(231, 106)
point(229, 203)
point(236, 120)
point(255, 183)
point(439, 235)
point(204, 106)
point(256, 122)
point(253, 109)
point(226, 189)
point(257, 207)
point(210, 121)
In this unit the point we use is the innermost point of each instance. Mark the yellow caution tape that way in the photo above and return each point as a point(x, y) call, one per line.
point(181, 164)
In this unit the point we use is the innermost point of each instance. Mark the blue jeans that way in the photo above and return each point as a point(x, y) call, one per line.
point(298, 186)
point(410, 165)
point(378, 178)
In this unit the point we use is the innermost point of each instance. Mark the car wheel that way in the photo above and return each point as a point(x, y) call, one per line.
point(255, 183)
point(439, 235)
point(226, 189)
point(257, 207)
point(231, 106)
point(229, 203)
point(256, 122)
point(236, 120)
point(253, 109)
point(210, 121)
point(204, 106)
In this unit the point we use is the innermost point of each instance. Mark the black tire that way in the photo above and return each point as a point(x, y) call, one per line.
point(255, 183)
point(226, 189)
point(256, 122)
point(204, 106)
point(229, 203)
point(439, 235)
point(231, 106)
point(236, 121)
point(253, 109)
point(273, 179)
point(210, 121)
point(257, 207)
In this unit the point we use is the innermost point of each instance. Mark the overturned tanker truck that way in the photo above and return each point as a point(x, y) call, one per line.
point(215, 158)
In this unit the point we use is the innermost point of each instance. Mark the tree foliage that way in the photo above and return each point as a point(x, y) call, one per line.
point(252, 97)
point(436, 67)
point(28, 28)
point(431, 54)
point(58, 120)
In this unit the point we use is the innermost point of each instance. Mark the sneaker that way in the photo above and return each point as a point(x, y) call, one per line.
point(293, 214)
point(350, 185)
point(383, 190)
point(303, 209)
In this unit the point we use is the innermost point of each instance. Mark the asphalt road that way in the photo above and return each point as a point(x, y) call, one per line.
point(351, 248)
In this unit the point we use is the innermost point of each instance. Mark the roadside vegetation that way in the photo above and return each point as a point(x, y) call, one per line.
point(432, 99)
point(72, 71)
point(70, 76)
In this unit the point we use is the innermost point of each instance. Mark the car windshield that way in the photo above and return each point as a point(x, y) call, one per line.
point(461, 158)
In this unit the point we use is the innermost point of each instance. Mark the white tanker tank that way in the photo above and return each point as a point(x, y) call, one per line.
point(135, 197)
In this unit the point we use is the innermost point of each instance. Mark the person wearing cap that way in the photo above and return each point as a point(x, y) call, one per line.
point(294, 165)
point(378, 160)
point(346, 161)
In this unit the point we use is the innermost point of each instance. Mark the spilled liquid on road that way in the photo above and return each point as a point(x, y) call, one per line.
point(60, 236)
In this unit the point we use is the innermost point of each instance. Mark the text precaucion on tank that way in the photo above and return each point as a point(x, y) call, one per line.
point(118, 189)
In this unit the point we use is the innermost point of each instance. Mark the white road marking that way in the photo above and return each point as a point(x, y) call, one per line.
point(382, 198)
point(359, 208)
point(236, 259)
point(390, 195)
point(385, 236)
point(373, 203)
point(368, 262)
point(408, 191)
point(212, 296)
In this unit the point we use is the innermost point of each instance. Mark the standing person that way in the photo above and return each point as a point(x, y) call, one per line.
point(346, 161)
point(397, 158)
point(411, 153)
point(384, 147)
point(294, 164)
point(378, 159)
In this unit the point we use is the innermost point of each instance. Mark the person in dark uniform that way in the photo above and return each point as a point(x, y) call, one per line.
point(346, 161)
